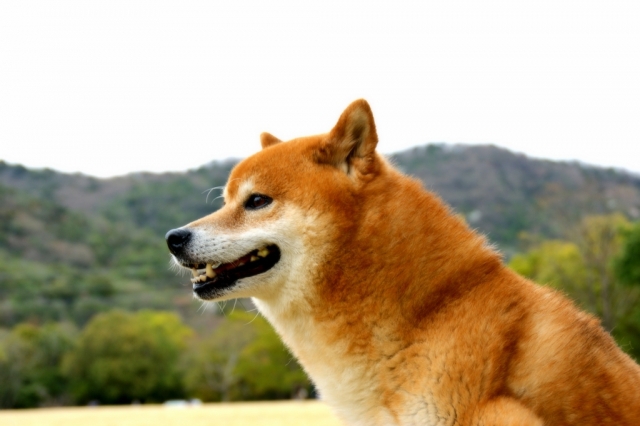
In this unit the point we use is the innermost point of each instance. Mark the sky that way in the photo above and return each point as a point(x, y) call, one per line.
point(109, 88)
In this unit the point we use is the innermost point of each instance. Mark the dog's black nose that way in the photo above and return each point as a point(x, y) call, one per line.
point(177, 239)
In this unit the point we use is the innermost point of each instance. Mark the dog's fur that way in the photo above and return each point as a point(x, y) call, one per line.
point(399, 312)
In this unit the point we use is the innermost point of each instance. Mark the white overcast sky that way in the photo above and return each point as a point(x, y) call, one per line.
point(110, 87)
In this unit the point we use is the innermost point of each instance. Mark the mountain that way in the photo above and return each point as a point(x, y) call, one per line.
point(73, 245)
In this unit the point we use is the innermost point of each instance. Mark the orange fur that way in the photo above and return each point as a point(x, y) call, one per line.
point(398, 311)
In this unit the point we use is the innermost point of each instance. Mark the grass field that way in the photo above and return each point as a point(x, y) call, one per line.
point(285, 413)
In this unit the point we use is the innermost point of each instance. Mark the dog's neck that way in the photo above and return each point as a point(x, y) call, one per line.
point(408, 255)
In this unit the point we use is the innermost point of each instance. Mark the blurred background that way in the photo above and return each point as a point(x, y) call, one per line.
point(117, 119)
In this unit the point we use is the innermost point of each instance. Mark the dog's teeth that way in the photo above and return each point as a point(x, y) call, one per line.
point(210, 272)
point(194, 272)
point(254, 258)
point(194, 280)
point(202, 278)
point(263, 252)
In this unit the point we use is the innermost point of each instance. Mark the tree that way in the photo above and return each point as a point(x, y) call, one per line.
point(267, 369)
point(210, 372)
point(122, 357)
point(30, 360)
point(243, 359)
point(600, 241)
point(11, 370)
point(556, 263)
point(627, 265)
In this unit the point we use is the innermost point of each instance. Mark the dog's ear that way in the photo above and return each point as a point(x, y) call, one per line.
point(267, 139)
point(352, 141)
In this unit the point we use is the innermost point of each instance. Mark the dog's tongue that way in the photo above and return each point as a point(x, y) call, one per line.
point(238, 262)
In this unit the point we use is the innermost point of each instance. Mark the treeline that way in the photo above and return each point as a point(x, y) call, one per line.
point(122, 357)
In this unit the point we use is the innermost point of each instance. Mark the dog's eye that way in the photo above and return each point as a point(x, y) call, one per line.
point(257, 201)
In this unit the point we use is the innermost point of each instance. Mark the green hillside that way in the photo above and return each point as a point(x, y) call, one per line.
point(74, 245)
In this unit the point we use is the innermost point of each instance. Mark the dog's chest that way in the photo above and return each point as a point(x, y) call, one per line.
point(350, 385)
point(353, 385)
point(357, 392)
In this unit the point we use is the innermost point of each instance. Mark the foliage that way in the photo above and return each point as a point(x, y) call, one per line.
point(50, 292)
point(121, 357)
point(148, 356)
point(242, 359)
point(627, 265)
point(30, 359)
point(600, 241)
point(211, 363)
point(266, 369)
point(556, 263)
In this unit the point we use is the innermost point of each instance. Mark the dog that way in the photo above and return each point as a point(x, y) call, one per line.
point(399, 312)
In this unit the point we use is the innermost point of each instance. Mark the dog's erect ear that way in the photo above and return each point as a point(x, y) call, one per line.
point(353, 138)
point(267, 139)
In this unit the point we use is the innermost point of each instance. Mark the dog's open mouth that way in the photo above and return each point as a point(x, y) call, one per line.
point(207, 280)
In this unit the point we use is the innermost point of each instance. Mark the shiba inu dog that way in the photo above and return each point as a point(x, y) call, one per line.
point(399, 312)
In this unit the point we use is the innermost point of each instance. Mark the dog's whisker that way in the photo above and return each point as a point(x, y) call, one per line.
point(208, 191)
point(219, 196)
point(254, 318)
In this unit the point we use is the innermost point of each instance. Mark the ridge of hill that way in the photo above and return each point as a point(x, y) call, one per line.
point(503, 194)
point(499, 192)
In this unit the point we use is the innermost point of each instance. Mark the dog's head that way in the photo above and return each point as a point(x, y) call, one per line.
point(286, 209)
